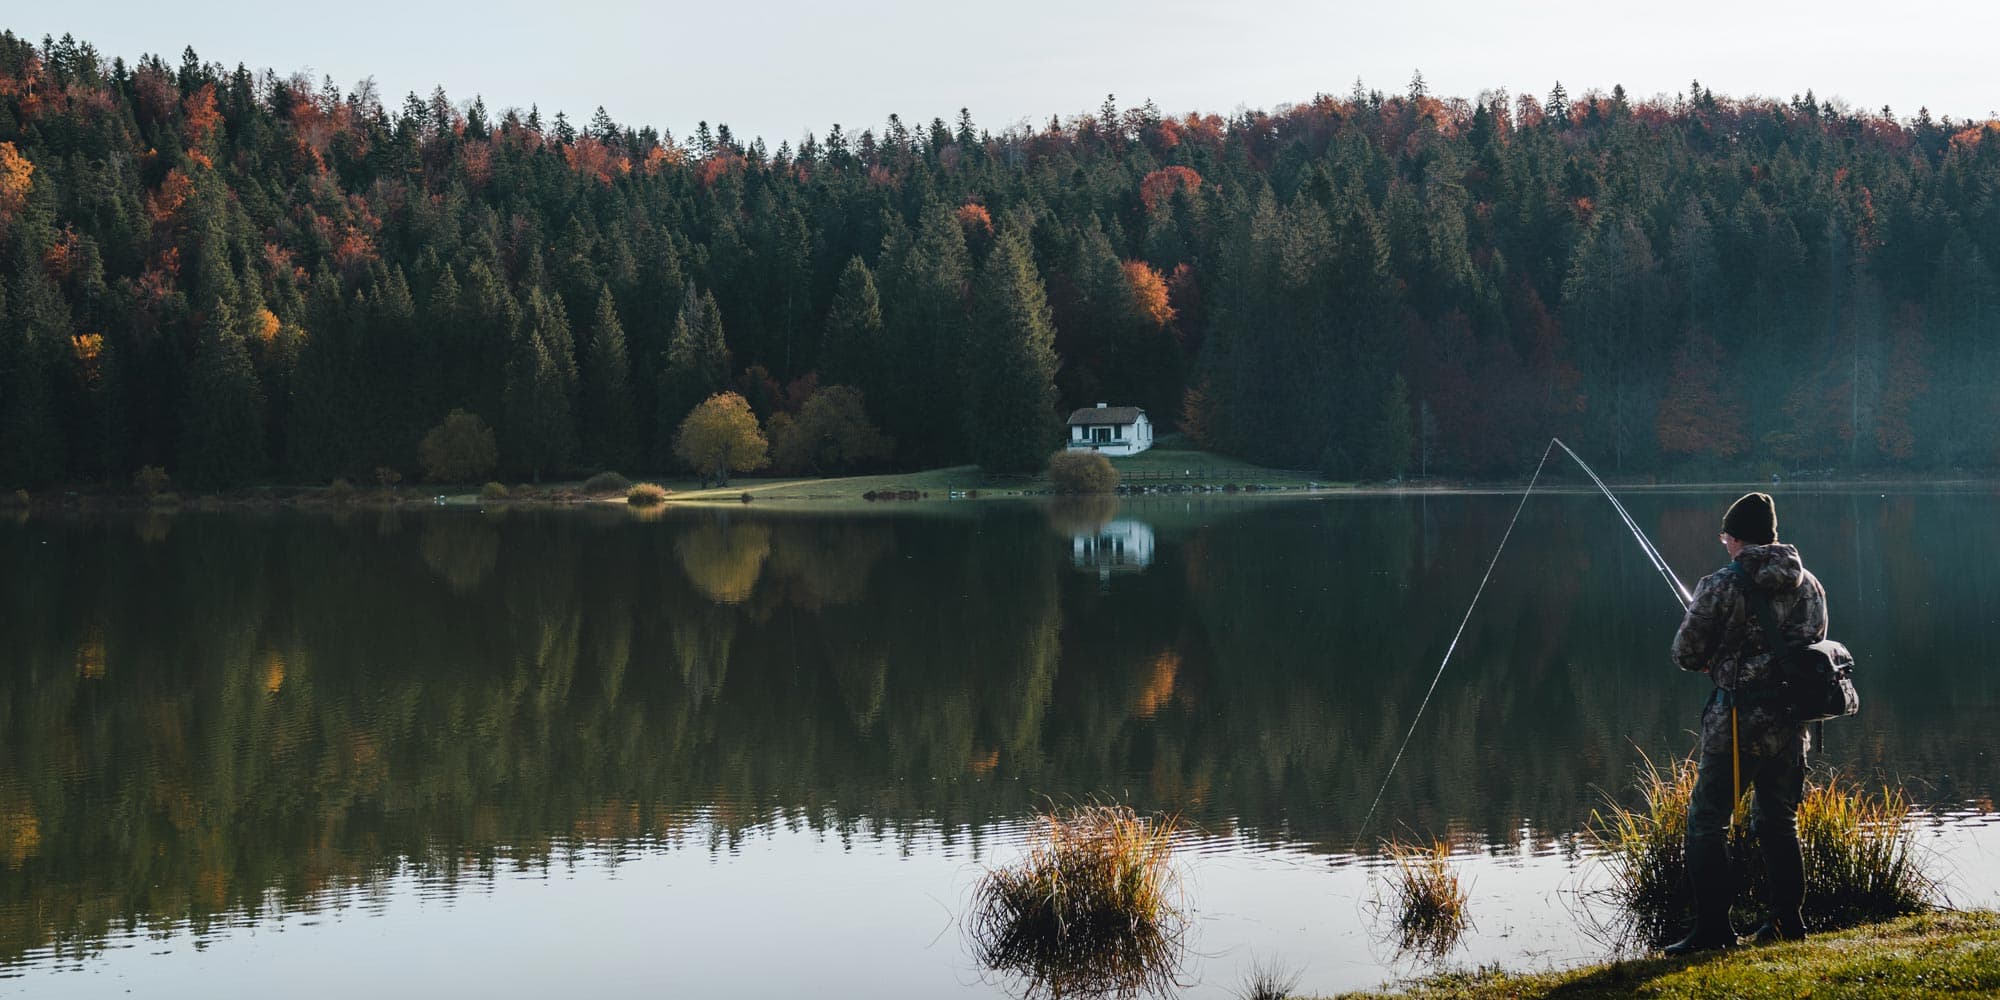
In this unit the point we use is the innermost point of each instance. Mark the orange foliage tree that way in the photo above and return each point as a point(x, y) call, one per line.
point(1698, 416)
point(1159, 186)
point(16, 179)
point(975, 220)
point(1149, 292)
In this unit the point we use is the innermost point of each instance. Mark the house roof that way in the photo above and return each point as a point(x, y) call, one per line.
point(1091, 416)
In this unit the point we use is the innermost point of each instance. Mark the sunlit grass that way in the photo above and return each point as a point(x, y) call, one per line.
point(1861, 861)
point(1093, 909)
point(1430, 899)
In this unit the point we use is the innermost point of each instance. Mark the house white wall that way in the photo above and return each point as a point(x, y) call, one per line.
point(1114, 440)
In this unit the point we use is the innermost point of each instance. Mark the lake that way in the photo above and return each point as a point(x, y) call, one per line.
point(769, 753)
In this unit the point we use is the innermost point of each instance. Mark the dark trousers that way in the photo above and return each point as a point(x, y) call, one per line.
point(1776, 783)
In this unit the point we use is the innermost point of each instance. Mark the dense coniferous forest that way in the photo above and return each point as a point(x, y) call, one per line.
point(245, 277)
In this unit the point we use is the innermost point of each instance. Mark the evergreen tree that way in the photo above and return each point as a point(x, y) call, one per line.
point(34, 326)
point(541, 435)
point(222, 435)
point(696, 366)
point(1010, 392)
point(851, 354)
point(609, 424)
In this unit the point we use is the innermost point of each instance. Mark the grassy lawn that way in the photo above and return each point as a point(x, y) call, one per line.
point(1944, 954)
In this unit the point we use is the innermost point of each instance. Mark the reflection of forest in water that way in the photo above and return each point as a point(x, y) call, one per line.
point(207, 715)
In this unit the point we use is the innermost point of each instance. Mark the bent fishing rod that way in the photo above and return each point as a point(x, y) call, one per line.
point(1653, 556)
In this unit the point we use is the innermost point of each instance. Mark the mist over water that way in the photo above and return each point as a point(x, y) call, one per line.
point(580, 749)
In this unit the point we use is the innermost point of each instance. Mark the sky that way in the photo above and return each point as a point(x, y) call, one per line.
point(781, 68)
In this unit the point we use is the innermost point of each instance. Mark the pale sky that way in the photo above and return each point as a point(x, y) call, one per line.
point(778, 69)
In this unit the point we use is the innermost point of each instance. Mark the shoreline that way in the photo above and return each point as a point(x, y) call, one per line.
point(889, 491)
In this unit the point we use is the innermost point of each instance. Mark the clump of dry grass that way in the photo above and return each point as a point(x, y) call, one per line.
point(1094, 909)
point(646, 495)
point(1430, 899)
point(1861, 861)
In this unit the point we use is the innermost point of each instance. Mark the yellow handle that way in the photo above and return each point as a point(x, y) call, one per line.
point(1735, 761)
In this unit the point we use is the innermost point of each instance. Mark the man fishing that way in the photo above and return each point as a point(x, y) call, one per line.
point(1745, 741)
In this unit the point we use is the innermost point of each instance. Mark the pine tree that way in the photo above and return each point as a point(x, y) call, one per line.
point(1009, 377)
point(541, 435)
point(851, 354)
point(609, 424)
point(222, 437)
point(696, 367)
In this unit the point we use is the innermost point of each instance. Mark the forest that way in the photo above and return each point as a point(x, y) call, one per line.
point(241, 277)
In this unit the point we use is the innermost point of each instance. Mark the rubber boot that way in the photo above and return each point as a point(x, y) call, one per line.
point(1708, 873)
point(1786, 874)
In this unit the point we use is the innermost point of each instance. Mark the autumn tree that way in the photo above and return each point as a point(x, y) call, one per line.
point(721, 436)
point(1700, 415)
point(830, 434)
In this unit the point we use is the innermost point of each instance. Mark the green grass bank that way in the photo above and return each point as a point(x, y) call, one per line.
point(1940, 954)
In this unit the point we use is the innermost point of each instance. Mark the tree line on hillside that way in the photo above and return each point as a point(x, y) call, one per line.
point(240, 276)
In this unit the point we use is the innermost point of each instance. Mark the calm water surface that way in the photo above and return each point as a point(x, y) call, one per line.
point(759, 754)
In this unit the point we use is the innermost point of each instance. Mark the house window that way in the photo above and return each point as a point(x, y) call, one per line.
point(1100, 434)
point(1119, 433)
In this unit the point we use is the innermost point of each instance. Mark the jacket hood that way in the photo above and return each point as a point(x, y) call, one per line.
point(1775, 567)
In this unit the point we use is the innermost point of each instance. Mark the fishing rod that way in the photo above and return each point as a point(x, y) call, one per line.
point(1653, 556)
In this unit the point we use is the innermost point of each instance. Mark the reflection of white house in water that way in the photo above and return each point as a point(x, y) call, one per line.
point(1113, 430)
point(1121, 546)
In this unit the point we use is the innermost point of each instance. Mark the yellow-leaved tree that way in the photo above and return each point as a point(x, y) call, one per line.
point(721, 436)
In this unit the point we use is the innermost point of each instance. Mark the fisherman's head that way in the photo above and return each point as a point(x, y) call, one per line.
point(1752, 520)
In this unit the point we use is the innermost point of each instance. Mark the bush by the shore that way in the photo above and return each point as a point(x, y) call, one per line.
point(1081, 472)
point(606, 483)
point(646, 495)
point(493, 491)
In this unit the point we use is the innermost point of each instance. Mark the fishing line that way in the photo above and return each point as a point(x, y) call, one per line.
point(1645, 544)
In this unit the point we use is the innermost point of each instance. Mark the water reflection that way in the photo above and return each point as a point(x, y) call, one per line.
point(214, 717)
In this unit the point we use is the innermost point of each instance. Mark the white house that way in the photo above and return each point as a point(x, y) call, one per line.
point(1113, 430)
point(1120, 546)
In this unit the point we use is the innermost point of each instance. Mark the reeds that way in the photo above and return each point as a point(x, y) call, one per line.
point(1093, 909)
point(1430, 900)
point(1861, 861)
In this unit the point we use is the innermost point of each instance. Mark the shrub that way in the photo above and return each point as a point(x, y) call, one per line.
point(1430, 901)
point(606, 482)
point(493, 491)
point(1092, 909)
point(459, 449)
point(646, 495)
point(341, 491)
point(151, 480)
point(1860, 855)
point(1081, 472)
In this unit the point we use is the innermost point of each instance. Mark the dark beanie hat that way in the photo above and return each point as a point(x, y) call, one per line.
point(1753, 519)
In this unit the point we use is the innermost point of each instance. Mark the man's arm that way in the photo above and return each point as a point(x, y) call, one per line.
point(1701, 630)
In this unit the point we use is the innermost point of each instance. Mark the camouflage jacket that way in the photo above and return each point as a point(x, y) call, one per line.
point(1723, 637)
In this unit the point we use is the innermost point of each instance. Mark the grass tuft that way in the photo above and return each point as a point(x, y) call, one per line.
point(1860, 855)
point(1269, 980)
point(1430, 899)
point(1093, 909)
point(646, 495)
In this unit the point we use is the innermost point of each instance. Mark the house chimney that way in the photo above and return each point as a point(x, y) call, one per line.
point(1103, 405)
